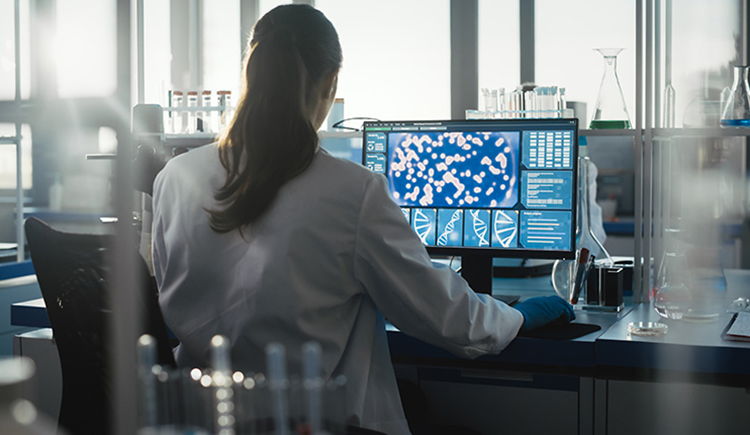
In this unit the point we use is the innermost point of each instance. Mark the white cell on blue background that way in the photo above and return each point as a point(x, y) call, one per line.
point(450, 227)
point(477, 228)
point(407, 213)
point(505, 228)
point(423, 223)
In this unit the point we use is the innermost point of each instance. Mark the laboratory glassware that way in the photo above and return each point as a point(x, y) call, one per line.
point(226, 109)
point(192, 103)
point(668, 115)
point(564, 271)
point(610, 110)
point(673, 297)
point(736, 109)
point(205, 116)
point(178, 117)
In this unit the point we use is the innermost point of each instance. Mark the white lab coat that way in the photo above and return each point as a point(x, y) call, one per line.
point(329, 261)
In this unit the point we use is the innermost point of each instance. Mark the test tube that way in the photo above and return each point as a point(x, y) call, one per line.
point(146, 362)
point(178, 123)
point(312, 383)
point(226, 108)
point(501, 105)
point(205, 118)
point(192, 103)
point(277, 382)
point(222, 381)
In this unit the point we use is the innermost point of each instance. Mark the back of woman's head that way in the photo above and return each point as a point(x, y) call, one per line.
point(293, 53)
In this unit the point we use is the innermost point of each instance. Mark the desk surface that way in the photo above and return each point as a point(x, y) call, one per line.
point(689, 347)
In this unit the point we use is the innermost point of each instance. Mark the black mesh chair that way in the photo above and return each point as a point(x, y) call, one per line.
point(72, 272)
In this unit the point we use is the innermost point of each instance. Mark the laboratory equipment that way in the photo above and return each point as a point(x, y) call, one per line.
point(673, 297)
point(647, 329)
point(482, 188)
point(736, 109)
point(205, 117)
point(610, 110)
point(178, 116)
point(278, 384)
point(668, 116)
point(564, 272)
point(528, 101)
point(192, 104)
point(226, 111)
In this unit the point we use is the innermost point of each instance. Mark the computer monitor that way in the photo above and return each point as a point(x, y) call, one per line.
point(482, 188)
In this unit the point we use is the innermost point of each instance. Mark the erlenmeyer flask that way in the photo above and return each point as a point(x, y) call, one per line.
point(736, 109)
point(610, 110)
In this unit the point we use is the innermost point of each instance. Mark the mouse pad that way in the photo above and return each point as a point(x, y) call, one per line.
point(558, 331)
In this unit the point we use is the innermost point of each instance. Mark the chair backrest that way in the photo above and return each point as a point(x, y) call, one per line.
point(73, 271)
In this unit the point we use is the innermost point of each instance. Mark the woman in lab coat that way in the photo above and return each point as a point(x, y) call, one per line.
point(264, 237)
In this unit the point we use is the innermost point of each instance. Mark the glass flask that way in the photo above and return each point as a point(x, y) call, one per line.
point(610, 110)
point(673, 297)
point(564, 271)
point(736, 109)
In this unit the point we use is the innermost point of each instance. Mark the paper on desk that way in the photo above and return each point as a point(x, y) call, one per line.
point(741, 325)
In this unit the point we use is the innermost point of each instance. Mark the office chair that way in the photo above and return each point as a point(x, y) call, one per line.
point(72, 271)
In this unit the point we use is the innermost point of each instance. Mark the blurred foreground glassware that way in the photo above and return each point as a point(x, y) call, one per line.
point(736, 109)
point(673, 297)
point(610, 111)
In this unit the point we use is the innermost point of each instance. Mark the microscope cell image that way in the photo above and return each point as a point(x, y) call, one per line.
point(454, 169)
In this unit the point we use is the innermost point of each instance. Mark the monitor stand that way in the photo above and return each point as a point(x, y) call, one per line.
point(477, 271)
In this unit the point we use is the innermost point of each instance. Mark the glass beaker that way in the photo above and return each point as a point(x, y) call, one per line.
point(610, 110)
point(736, 109)
point(673, 297)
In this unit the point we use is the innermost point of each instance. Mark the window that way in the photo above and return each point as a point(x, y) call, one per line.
point(8, 158)
point(85, 48)
point(396, 57)
point(567, 34)
point(499, 45)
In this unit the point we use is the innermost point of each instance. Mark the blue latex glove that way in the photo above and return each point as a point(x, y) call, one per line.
point(541, 311)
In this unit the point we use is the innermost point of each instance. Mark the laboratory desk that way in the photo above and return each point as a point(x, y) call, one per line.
point(604, 382)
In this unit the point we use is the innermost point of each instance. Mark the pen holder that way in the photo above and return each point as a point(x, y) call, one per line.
point(604, 286)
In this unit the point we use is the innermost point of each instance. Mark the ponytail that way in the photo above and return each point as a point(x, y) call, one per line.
point(271, 138)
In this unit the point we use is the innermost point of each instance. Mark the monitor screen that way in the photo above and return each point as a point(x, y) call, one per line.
point(492, 188)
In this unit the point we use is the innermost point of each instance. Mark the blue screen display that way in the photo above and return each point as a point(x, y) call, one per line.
point(503, 185)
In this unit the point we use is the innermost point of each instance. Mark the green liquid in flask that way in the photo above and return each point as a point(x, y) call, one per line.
point(609, 124)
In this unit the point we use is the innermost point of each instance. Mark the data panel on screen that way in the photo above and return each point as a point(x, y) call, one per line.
point(502, 185)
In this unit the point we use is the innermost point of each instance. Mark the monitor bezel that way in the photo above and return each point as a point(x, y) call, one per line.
point(495, 251)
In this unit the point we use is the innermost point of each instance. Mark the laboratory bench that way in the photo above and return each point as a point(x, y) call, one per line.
point(602, 382)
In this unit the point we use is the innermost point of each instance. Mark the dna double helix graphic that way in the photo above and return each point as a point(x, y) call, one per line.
point(422, 225)
point(480, 227)
point(505, 227)
point(449, 228)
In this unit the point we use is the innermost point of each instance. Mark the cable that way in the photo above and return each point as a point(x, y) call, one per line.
point(338, 124)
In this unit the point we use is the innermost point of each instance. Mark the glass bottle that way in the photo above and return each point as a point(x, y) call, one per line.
point(736, 109)
point(610, 110)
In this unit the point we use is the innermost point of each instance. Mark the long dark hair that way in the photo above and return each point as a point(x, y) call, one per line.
point(271, 138)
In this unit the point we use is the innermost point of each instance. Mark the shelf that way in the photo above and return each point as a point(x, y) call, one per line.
point(607, 132)
point(7, 140)
point(659, 133)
